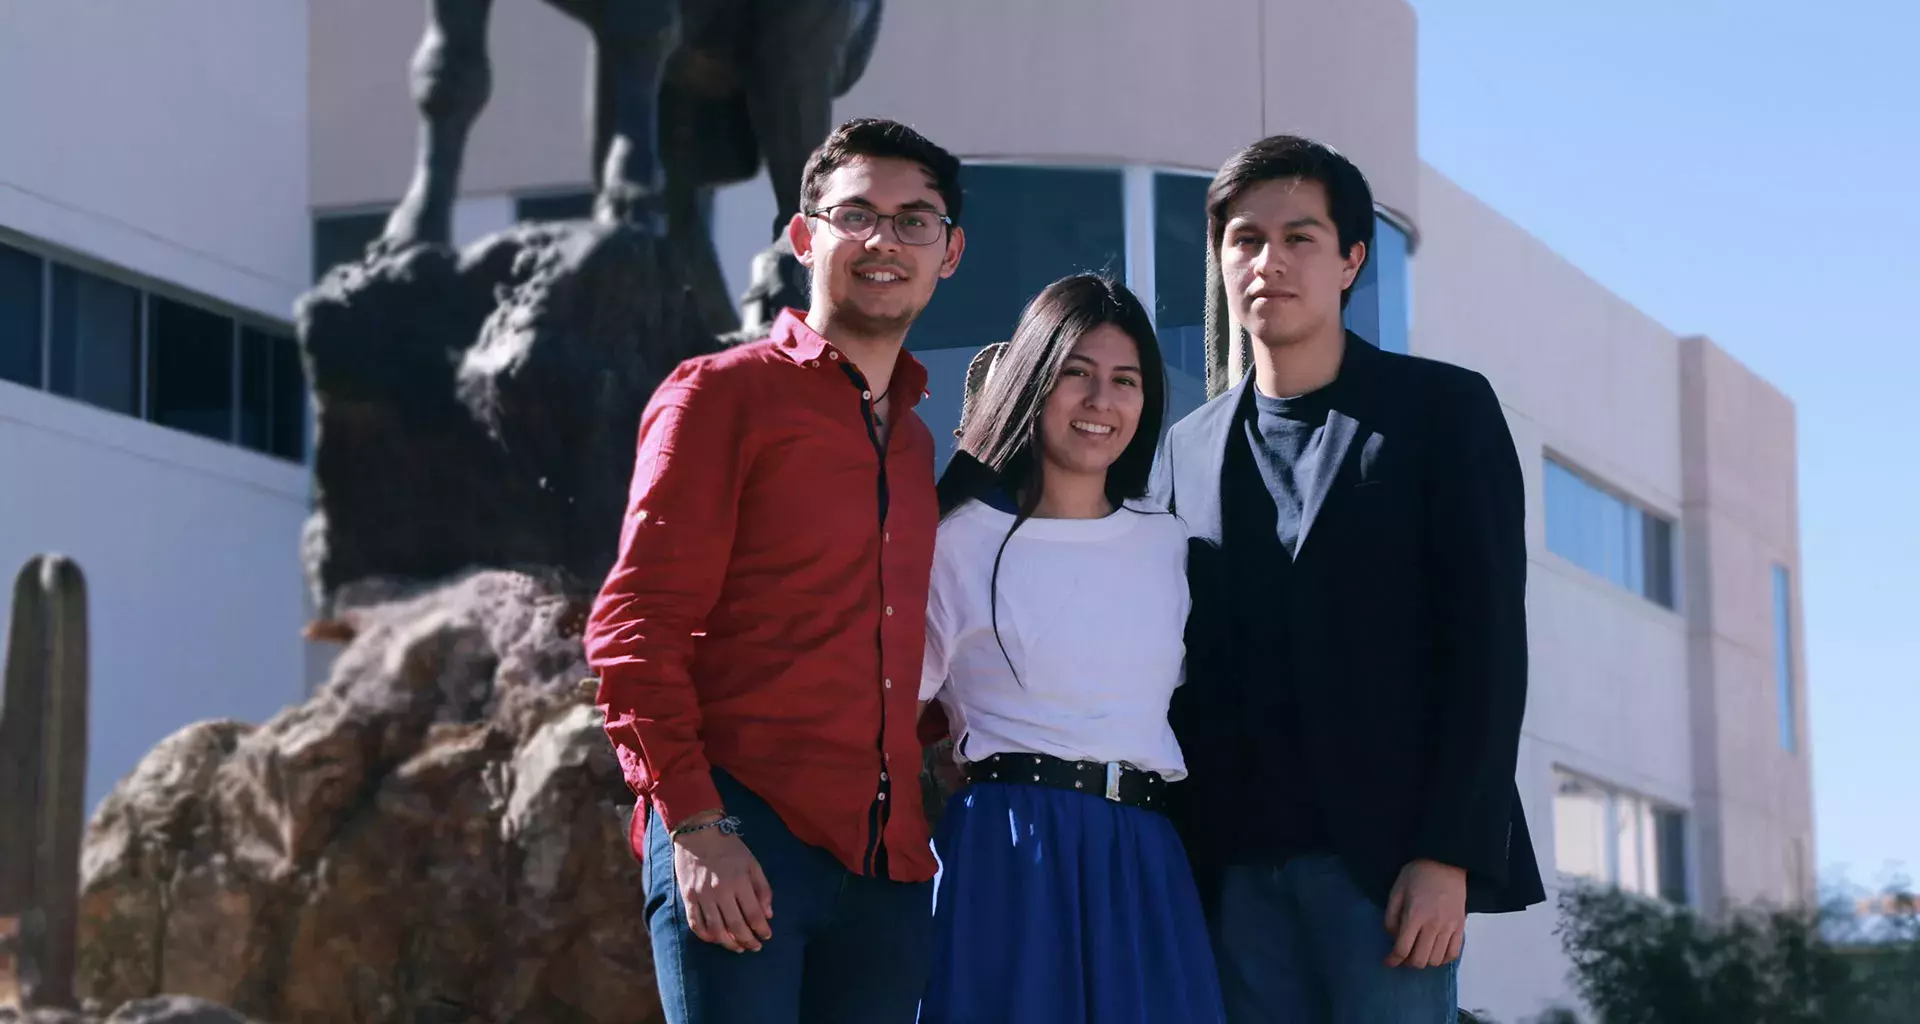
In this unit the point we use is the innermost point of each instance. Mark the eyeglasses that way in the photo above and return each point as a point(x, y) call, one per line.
point(911, 227)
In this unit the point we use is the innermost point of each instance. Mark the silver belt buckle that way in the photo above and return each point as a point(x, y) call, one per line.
point(1113, 780)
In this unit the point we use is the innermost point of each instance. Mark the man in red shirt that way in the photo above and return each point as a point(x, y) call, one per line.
point(759, 637)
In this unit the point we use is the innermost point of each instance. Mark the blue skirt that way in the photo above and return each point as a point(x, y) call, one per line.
point(1059, 907)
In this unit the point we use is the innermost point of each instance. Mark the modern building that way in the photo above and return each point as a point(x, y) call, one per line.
point(154, 233)
point(186, 187)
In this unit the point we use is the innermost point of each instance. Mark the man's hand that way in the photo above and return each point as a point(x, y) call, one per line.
point(726, 894)
point(1427, 914)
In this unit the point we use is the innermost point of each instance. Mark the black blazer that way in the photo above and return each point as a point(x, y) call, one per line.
point(1404, 627)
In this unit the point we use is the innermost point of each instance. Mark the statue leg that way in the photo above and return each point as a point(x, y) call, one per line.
point(791, 104)
point(791, 101)
point(632, 41)
point(451, 81)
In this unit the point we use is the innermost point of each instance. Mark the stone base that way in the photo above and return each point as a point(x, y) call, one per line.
point(479, 409)
point(160, 1010)
point(439, 835)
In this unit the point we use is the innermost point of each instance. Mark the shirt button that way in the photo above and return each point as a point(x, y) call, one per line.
point(889, 609)
point(866, 394)
point(888, 683)
point(813, 362)
point(887, 537)
point(883, 777)
point(832, 354)
point(883, 796)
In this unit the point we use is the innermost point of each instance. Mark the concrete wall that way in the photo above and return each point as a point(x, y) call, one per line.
point(1094, 80)
point(191, 552)
point(146, 136)
point(1585, 376)
point(1742, 507)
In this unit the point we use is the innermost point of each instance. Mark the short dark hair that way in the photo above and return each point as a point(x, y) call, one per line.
point(1280, 157)
point(880, 138)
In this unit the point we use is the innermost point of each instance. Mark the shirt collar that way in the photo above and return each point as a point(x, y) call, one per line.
point(792, 338)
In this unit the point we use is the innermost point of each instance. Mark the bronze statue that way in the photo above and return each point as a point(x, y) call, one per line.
point(686, 95)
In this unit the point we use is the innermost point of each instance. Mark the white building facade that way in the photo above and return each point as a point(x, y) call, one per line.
point(154, 233)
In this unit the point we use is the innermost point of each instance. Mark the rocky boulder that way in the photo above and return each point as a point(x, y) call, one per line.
point(161, 1010)
point(437, 835)
point(479, 408)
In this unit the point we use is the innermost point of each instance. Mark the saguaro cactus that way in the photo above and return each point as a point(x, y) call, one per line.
point(43, 767)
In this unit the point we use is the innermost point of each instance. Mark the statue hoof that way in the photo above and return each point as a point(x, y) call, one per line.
point(631, 205)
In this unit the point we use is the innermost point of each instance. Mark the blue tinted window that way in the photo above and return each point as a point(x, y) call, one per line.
point(190, 369)
point(273, 394)
point(1609, 536)
point(1378, 309)
point(1026, 228)
point(1783, 653)
point(20, 313)
point(96, 340)
point(1180, 270)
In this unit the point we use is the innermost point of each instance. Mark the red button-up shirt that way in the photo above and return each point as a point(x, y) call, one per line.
point(767, 612)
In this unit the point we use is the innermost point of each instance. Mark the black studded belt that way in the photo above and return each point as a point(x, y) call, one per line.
point(1112, 780)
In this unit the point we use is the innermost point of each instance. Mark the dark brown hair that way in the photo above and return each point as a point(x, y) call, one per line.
point(880, 138)
point(1281, 157)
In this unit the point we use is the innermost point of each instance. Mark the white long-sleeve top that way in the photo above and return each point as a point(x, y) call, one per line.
point(1093, 614)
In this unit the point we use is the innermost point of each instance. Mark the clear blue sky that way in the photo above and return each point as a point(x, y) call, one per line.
point(1749, 171)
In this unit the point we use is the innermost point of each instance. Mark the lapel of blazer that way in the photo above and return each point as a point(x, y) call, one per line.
point(1337, 441)
point(1342, 430)
point(1211, 436)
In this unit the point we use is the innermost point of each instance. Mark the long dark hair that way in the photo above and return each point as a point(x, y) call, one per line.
point(999, 447)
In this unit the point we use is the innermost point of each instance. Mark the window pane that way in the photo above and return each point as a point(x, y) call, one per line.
point(1379, 306)
point(1633, 566)
point(343, 238)
point(1660, 563)
point(1580, 828)
point(1639, 848)
point(1783, 653)
point(1612, 534)
point(20, 316)
point(256, 389)
point(1396, 287)
point(1622, 851)
point(289, 435)
point(1180, 269)
point(1026, 228)
point(1672, 827)
point(272, 394)
point(190, 375)
point(96, 340)
point(1563, 528)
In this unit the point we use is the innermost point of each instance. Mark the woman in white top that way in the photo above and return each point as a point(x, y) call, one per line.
point(1055, 626)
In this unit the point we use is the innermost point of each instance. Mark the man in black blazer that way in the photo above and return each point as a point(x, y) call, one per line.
point(1357, 664)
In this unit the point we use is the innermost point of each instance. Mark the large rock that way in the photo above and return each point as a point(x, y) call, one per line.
point(438, 835)
point(479, 409)
point(158, 1010)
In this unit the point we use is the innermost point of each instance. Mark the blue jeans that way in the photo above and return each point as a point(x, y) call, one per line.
point(845, 948)
point(1299, 943)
